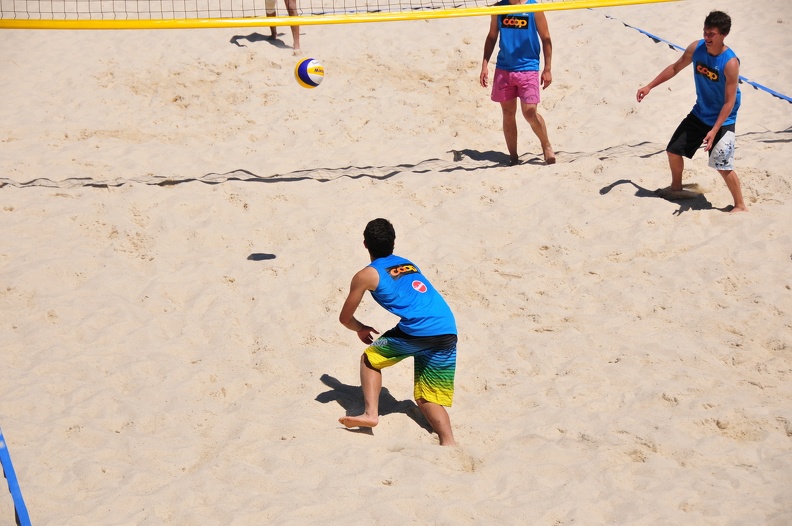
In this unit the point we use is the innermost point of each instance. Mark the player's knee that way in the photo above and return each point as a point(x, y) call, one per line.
point(509, 107)
point(364, 361)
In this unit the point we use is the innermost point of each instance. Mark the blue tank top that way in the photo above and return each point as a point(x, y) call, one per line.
point(405, 292)
point(710, 78)
point(519, 41)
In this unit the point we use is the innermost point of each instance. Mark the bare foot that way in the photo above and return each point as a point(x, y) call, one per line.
point(549, 155)
point(359, 421)
point(735, 209)
point(297, 52)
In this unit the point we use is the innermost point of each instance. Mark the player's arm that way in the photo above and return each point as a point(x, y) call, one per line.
point(489, 47)
point(547, 47)
point(669, 72)
point(732, 72)
point(366, 279)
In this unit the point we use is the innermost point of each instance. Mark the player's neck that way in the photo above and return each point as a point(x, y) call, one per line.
point(715, 51)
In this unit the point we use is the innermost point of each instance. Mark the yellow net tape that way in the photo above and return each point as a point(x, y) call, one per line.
point(47, 20)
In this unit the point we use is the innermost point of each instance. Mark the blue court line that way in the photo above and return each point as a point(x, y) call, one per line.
point(659, 40)
point(22, 517)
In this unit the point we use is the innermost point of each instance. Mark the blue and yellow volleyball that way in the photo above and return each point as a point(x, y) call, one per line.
point(309, 72)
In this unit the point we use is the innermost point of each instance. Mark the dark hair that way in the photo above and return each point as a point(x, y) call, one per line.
point(379, 237)
point(718, 20)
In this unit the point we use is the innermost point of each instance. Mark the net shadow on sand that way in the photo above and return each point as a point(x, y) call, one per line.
point(321, 175)
point(455, 160)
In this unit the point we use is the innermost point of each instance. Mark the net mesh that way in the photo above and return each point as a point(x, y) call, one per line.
point(163, 10)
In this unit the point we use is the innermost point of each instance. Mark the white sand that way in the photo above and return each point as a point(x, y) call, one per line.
point(623, 359)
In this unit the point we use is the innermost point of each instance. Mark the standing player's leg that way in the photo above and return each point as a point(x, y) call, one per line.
point(385, 351)
point(270, 6)
point(291, 7)
point(722, 159)
point(509, 111)
point(371, 384)
point(733, 184)
point(540, 129)
point(434, 387)
point(439, 420)
point(677, 165)
point(504, 92)
point(685, 142)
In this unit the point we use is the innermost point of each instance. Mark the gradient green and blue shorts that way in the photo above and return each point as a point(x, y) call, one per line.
point(435, 362)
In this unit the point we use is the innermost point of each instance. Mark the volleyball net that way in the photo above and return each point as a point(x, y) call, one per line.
point(185, 14)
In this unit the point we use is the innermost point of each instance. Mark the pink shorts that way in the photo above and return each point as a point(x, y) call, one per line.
point(508, 85)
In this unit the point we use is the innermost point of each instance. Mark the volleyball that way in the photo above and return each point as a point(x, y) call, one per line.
point(309, 72)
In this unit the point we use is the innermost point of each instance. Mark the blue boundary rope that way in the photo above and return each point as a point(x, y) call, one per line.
point(20, 510)
point(659, 40)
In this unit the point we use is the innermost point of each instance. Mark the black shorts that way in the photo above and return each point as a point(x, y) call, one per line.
point(689, 136)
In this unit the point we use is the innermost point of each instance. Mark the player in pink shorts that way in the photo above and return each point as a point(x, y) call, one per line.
point(523, 36)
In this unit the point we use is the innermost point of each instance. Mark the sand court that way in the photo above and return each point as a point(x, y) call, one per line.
point(181, 220)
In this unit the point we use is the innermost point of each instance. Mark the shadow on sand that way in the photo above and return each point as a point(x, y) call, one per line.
point(494, 157)
point(687, 199)
point(258, 37)
point(350, 398)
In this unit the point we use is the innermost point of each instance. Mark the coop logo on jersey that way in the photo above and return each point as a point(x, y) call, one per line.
point(703, 70)
point(420, 286)
point(401, 270)
point(514, 22)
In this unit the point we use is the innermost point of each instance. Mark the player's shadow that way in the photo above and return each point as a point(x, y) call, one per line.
point(258, 37)
point(350, 398)
point(491, 156)
point(698, 202)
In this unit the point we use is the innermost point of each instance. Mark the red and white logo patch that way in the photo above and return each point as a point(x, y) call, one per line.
point(419, 286)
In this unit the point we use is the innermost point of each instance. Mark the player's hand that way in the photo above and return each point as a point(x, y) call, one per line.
point(483, 77)
point(365, 334)
point(708, 140)
point(547, 79)
point(643, 92)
